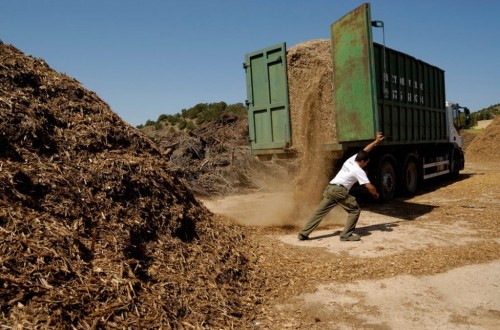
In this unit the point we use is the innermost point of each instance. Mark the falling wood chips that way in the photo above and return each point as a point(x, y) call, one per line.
point(214, 159)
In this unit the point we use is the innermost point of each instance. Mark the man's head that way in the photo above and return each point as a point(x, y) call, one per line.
point(362, 158)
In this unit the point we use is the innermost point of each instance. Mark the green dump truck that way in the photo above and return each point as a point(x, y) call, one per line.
point(375, 88)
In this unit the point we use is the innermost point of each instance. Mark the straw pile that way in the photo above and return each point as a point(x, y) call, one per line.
point(95, 232)
point(485, 147)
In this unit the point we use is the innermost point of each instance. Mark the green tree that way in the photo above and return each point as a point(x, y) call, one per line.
point(150, 122)
point(473, 120)
point(174, 119)
point(182, 124)
point(163, 117)
point(237, 109)
point(201, 113)
point(158, 126)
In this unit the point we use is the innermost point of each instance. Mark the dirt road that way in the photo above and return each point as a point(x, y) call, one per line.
point(428, 262)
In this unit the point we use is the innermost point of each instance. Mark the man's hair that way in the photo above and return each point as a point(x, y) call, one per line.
point(362, 156)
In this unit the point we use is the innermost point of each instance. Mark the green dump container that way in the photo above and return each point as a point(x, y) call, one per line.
point(375, 88)
point(380, 89)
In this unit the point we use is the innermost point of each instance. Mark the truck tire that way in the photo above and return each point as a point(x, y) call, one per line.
point(386, 178)
point(409, 175)
point(454, 165)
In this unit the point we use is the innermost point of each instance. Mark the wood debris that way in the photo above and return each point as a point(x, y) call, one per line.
point(96, 231)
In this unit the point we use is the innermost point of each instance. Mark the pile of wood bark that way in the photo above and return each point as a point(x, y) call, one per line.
point(95, 230)
point(215, 160)
point(485, 147)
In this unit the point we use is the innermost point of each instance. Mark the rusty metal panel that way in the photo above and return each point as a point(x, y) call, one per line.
point(381, 89)
point(353, 71)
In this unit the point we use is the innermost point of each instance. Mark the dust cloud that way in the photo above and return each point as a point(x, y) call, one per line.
point(270, 209)
point(260, 209)
point(312, 115)
point(290, 199)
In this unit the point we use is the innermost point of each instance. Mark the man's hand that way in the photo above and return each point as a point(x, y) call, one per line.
point(372, 190)
point(378, 137)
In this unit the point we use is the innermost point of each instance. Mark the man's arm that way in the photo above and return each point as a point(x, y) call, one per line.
point(372, 190)
point(379, 137)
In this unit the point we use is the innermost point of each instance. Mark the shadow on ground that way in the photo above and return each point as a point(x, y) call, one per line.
point(362, 230)
point(400, 207)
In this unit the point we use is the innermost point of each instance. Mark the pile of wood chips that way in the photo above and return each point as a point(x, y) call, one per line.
point(215, 158)
point(95, 230)
point(486, 146)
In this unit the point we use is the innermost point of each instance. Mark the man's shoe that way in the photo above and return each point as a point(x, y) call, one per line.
point(351, 238)
point(302, 237)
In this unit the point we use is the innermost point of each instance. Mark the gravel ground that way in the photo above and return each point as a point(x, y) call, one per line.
point(428, 262)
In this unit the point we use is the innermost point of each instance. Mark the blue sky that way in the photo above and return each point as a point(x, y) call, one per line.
point(151, 57)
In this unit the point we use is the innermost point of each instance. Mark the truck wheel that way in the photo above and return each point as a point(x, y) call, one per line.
point(454, 165)
point(410, 176)
point(386, 179)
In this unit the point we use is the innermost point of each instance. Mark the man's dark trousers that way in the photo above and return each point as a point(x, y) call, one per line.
point(333, 195)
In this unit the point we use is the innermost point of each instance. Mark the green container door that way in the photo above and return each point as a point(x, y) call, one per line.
point(353, 75)
point(267, 93)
